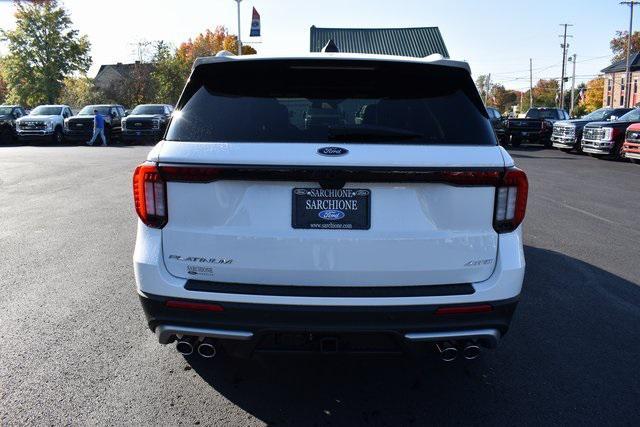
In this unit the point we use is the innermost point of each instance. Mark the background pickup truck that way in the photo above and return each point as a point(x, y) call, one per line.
point(536, 126)
point(567, 134)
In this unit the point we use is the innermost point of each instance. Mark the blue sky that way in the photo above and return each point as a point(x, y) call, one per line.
point(496, 37)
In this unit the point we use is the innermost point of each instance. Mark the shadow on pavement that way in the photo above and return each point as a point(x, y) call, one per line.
point(572, 355)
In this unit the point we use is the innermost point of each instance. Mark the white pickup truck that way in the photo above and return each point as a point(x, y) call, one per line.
point(259, 232)
point(45, 123)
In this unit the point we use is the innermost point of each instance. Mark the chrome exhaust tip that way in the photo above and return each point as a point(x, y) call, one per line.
point(471, 351)
point(185, 345)
point(207, 349)
point(448, 353)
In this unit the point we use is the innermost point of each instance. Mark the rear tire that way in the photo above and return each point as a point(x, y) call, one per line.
point(547, 143)
point(635, 161)
point(516, 142)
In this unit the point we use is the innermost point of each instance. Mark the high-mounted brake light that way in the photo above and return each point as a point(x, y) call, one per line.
point(150, 196)
point(511, 201)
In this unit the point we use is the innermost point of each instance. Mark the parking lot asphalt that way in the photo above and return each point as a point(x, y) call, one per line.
point(75, 349)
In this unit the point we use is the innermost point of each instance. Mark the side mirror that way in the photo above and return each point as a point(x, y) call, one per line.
point(127, 112)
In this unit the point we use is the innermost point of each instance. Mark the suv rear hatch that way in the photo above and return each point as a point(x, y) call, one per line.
point(402, 196)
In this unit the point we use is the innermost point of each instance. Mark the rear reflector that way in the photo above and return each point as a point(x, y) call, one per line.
point(481, 308)
point(150, 196)
point(198, 306)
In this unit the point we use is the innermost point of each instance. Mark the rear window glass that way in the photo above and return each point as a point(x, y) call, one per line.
point(631, 116)
point(326, 100)
point(148, 109)
point(89, 109)
point(542, 114)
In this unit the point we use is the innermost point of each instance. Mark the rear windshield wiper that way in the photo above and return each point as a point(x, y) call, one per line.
point(370, 133)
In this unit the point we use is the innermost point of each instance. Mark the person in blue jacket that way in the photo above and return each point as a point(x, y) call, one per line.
point(98, 129)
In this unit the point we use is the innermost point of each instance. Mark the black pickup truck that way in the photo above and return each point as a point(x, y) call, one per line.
point(8, 116)
point(146, 123)
point(80, 128)
point(567, 134)
point(536, 126)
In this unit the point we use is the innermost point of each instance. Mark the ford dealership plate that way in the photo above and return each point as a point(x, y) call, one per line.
point(338, 209)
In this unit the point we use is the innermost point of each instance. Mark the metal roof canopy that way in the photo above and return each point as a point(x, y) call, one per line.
point(415, 42)
point(616, 67)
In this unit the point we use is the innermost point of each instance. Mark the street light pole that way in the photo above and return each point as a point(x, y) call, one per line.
point(627, 87)
point(573, 82)
point(564, 61)
point(239, 40)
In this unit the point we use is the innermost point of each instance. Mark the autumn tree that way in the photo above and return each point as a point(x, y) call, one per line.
point(80, 91)
point(501, 98)
point(43, 50)
point(545, 94)
point(481, 85)
point(172, 68)
point(594, 94)
point(619, 45)
point(3, 85)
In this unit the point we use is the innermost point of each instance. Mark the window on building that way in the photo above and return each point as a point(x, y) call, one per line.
point(608, 85)
point(635, 86)
point(621, 99)
point(622, 83)
point(609, 101)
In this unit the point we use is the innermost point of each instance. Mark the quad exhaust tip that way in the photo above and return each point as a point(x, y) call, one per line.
point(471, 351)
point(185, 345)
point(448, 352)
point(207, 348)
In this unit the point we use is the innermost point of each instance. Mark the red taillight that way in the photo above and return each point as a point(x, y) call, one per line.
point(150, 196)
point(511, 201)
point(197, 306)
point(465, 309)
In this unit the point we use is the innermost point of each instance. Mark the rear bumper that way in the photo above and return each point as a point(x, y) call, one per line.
point(259, 325)
point(401, 318)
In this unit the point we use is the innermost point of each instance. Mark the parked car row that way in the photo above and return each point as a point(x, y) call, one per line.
point(57, 123)
point(608, 132)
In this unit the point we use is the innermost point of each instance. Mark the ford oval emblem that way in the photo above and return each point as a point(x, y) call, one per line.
point(332, 151)
point(331, 214)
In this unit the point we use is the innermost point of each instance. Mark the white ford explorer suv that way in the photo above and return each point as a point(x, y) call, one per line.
point(261, 230)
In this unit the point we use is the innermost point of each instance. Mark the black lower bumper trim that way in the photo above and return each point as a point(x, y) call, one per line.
point(268, 322)
point(331, 291)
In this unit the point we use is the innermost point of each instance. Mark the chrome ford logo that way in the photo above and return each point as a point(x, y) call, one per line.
point(331, 214)
point(332, 151)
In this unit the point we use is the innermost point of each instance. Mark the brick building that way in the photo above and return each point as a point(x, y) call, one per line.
point(614, 82)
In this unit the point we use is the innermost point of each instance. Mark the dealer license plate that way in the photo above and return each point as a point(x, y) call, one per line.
point(332, 209)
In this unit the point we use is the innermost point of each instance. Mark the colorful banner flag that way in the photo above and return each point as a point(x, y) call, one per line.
point(255, 24)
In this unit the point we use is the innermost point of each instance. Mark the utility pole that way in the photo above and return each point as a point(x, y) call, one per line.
point(487, 88)
point(627, 87)
point(239, 40)
point(564, 62)
point(530, 83)
point(573, 82)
